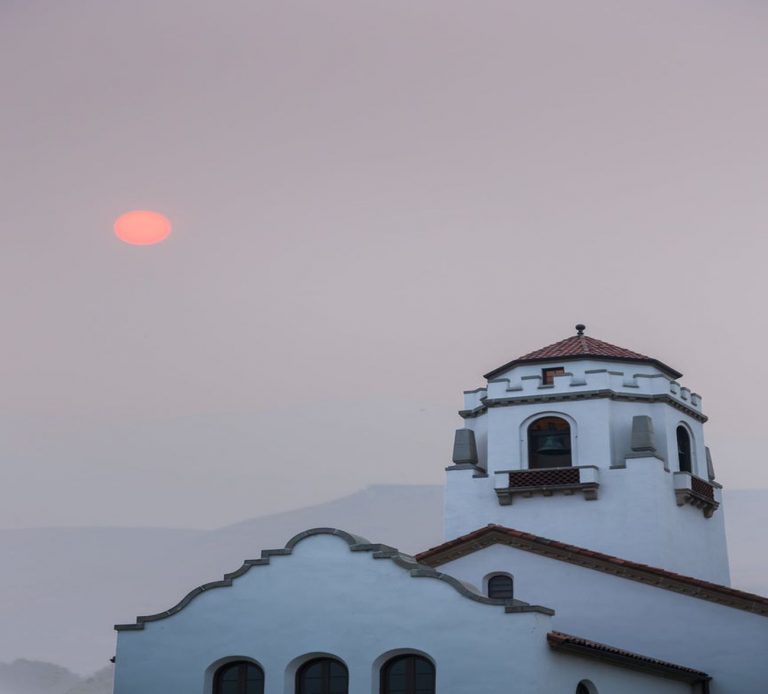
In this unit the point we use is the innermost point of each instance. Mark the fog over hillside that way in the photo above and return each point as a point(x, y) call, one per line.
point(36, 677)
point(69, 586)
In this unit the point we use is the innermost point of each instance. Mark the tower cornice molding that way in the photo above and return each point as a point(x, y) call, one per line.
point(605, 393)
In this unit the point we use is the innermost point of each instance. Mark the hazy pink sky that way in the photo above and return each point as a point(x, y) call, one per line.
point(373, 204)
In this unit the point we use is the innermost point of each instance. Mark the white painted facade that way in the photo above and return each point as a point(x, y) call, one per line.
point(329, 593)
point(635, 514)
point(729, 644)
point(324, 599)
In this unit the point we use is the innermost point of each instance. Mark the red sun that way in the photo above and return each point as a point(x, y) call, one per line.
point(142, 227)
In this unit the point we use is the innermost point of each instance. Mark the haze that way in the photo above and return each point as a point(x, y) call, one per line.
point(373, 204)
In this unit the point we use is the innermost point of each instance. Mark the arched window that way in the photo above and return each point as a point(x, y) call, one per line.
point(684, 450)
point(501, 586)
point(408, 674)
point(322, 676)
point(586, 687)
point(239, 677)
point(549, 443)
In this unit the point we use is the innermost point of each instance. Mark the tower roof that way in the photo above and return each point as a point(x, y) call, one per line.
point(581, 346)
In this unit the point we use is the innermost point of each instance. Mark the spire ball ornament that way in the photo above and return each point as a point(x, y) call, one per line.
point(580, 328)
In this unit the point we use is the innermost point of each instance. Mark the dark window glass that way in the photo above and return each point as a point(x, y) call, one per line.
point(408, 674)
point(322, 676)
point(500, 587)
point(548, 375)
point(239, 677)
point(549, 443)
point(582, 689)
point(684, 450)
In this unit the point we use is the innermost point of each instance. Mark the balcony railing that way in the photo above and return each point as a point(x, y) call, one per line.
point(546, 482)
point(698, 492)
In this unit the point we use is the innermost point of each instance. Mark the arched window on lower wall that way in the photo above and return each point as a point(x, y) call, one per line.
point(586, 687)
point(239, 677)
point(322, 676)
point(408, 674)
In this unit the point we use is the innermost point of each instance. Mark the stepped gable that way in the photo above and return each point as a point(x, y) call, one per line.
point(356, 544)
point(582, 346)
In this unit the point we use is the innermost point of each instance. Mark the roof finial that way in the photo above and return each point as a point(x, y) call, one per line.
point(580, 328)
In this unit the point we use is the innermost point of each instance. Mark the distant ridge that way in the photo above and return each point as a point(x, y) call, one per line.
point(36, 677)
point(69, 586)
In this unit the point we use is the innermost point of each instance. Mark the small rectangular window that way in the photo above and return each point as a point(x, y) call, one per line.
point(548, 375)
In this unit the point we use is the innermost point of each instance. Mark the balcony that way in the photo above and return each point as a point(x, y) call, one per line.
point(698, 492)
point(546, 482)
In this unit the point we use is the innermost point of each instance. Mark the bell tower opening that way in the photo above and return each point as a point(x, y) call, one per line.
point(549, 443)
point(684, 450)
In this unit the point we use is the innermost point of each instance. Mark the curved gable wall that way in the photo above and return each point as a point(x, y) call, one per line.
point(329, 592)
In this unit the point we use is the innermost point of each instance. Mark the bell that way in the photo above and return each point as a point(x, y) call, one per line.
point(552, 444)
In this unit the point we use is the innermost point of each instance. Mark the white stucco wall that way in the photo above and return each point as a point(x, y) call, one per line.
point(729, 644)
point(325, 599)
point(636, 515)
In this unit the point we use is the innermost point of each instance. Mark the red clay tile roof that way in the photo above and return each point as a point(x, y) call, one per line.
point(624, 568)
point(575, 644)
point(583, 347)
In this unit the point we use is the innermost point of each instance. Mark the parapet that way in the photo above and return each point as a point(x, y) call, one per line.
point(527, 386)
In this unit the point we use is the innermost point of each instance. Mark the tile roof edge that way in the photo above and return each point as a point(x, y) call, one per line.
point(618, 656)
point(674, 374)
point(599, 561)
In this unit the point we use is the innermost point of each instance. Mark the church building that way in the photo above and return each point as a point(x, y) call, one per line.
point(585, 553)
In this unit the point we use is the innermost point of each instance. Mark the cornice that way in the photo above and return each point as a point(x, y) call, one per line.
point(605, 393)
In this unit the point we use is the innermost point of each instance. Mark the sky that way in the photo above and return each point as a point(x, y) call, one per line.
point(374, 203)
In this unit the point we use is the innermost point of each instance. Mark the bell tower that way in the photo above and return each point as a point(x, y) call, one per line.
point(594, 445)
